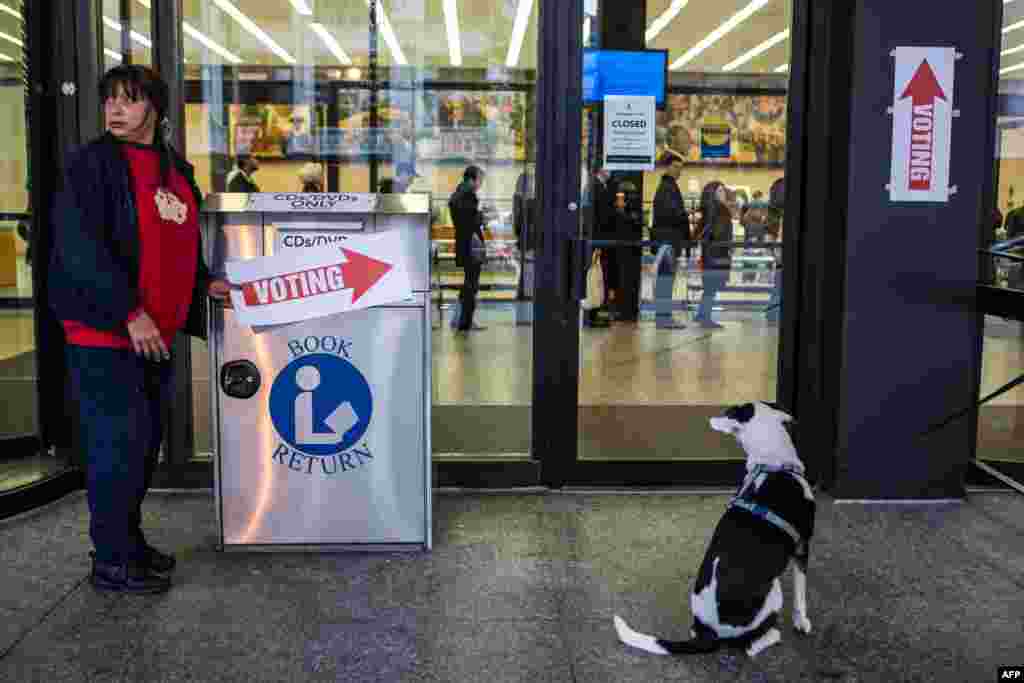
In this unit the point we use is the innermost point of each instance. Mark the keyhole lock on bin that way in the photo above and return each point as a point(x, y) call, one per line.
point(240, 379)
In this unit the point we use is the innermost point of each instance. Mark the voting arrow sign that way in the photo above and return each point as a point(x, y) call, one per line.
point(300, 285)
point(922, 115)
point(922, 90)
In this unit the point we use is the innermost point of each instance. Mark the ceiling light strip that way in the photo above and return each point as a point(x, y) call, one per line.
point(519, 32)
point(1012, 50)
point(209, 44)
point(302, 8)
point(12, 12)
point(11, 39)
point(331, 44)
point(1009, 69)
point(247, 23)
point(451, 22)
point(664, 19)
point(135, 35)
point(113, 55)
point(782, 68)
point(759, 50)
point(389, 35)
point(1013, 27)
point(716, 35)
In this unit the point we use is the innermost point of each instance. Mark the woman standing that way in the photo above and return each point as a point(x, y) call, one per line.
point(716, 226)
point(126, 276)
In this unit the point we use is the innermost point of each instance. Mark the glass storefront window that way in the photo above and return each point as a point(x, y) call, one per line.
point(403, 97)
point(685, 331)
point(127, 38)
point(1001, 421)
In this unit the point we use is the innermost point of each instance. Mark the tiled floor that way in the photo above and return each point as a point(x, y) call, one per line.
point(517, 588)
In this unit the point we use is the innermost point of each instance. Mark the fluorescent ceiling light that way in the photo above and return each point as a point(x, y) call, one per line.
point(136, 36)
point(12, 12)
point(302, 8)
point(587, 27)
point(205, 41)
point(11, 39)
point(1015, 67)
point(782, 68)
point(760, 49)
point(113, 55)
point(389, 36)
point(331, 43)
point(519, 32)
point(5, 58)
point(451, 22)
point(1013, 27)
point(1012, 50)
point(716, 35)
point(247, 23)
point(664, 19)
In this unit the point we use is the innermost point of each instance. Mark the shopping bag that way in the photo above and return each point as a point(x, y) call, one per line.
point(595, 283)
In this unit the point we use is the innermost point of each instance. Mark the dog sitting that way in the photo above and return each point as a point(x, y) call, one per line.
point(737, 596)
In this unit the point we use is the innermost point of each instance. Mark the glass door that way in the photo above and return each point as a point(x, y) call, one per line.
point(390, 96)
point(686, 321)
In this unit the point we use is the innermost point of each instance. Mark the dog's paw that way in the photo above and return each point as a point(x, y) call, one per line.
point(801, 624)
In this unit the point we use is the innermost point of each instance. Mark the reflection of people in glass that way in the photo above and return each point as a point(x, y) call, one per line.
point(298, 141)
point(628, 227)
point(465, 209)
point(716, 227)
point(240, 179)
point(671, 229)
point(311, 176)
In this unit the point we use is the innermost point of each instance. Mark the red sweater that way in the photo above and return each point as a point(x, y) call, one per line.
point(168, 251)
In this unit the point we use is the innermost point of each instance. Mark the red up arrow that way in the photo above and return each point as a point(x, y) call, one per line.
point(923, 90)
point(361, 272)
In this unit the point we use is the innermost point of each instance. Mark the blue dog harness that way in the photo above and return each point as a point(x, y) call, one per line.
point(763, 512)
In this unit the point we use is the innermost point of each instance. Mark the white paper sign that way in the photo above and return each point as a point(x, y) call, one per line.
point(313, 202)
point(629, 133)
point(922, 124)
point(302, 284)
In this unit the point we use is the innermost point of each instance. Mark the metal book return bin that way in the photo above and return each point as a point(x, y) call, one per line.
point(360, 478)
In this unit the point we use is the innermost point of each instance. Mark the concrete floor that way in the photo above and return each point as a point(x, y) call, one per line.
point(518, 588)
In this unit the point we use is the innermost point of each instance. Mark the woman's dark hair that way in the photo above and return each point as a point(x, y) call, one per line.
point(141, 82)
point(709, 206)
point(473, 173)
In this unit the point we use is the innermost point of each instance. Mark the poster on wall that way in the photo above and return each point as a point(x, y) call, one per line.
point(922, 123)
point(724, 129)
point(275, 131)
point(629, 135)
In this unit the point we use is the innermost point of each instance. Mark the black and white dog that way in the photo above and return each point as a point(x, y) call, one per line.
point(737, 597)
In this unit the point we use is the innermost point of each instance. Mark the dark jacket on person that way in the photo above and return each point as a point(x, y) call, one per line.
point(465, 209)
point(240, 182)
point(94, 265)
point(717, 227)
point(602, 209)
point(671, 221)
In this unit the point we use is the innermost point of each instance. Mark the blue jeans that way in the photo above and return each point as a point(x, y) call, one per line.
point(664, 284)
point(775, 301)
point(121, 399)
point(714, 281)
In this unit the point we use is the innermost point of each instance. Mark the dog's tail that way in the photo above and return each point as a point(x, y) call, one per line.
point(658, 646)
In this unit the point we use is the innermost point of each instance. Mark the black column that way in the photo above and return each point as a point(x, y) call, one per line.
point(623, 27)
point(909, 332)
point(556, 327)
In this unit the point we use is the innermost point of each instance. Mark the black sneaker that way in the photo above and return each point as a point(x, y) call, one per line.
point(161, 563)
point(127, 578)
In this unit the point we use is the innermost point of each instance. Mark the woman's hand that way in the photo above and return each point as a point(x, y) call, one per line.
point(221, 291)
point(146, 338)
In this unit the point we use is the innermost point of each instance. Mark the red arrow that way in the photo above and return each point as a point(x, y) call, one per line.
point(923, 89)
point(362, 272)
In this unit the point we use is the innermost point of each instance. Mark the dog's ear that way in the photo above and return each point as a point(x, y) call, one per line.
point(783, 415)
point(742, 413)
